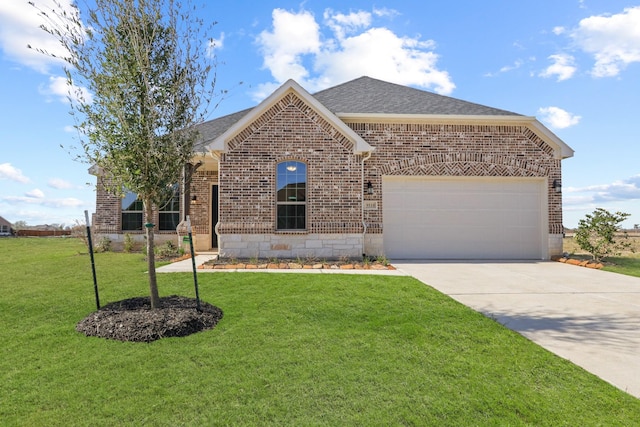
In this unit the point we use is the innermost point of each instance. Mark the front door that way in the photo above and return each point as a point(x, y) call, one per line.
point(214, 215)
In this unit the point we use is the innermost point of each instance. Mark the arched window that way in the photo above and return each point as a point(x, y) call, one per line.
point(291, 199)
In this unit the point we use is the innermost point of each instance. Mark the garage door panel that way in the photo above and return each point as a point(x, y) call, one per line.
point(452, 218)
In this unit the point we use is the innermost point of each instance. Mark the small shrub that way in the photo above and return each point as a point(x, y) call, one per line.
point(103, 245)
point(596, 233)
point(128, 243)
point(79, 231)
point(167, 250)
point(382, 260)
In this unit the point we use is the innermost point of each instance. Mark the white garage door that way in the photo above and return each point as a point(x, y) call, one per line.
point(464, 218)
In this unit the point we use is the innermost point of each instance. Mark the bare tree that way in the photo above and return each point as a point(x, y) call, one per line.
point(141, 75)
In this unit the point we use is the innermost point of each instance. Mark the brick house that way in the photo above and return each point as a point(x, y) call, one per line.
point(6, 229)
point(368, 167)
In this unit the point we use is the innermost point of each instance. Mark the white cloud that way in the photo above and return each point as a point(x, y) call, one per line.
point(512, 67)
point(627, 189)
point(60, 184)
point(35, 194)
point(558, 30)
point(296, 47)
point(36, 197)
point(563, 67)
point(20, 27)
point(342, 24)
point(558, 118)
point(8, 171)
point(613, 40)
point(58, 87)
point(293, 36)
point(216, 44)
point(507, 68)
point(385, 12)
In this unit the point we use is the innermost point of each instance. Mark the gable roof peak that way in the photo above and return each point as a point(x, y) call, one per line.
point(220, 142)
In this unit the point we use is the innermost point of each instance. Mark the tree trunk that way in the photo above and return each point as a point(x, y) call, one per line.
point(151, 256)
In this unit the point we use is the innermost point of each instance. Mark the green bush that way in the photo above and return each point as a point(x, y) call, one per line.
point(598, 234)
point(103, 245)
point(129, 243)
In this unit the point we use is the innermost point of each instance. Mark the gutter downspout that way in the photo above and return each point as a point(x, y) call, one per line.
point(364, 224)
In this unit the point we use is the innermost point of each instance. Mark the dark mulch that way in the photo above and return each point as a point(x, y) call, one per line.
point(134, 320)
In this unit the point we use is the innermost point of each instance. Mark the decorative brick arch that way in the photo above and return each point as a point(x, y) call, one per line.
point(464, 164)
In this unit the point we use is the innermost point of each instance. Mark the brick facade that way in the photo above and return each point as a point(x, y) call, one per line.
point(337, 223)
point(107, 220)
point(291, 130)
point(457, 150)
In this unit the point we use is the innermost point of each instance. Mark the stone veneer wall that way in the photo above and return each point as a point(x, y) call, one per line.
point(304, 246)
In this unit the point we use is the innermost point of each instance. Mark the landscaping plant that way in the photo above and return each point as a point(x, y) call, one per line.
point(600, 234)
point(140, 77)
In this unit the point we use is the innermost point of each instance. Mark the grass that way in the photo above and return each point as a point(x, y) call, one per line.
point(627, 263)
point(297, 350)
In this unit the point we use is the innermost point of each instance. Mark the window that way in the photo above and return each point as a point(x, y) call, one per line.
point(291, 203)
point(169, 217)
point(131, 212)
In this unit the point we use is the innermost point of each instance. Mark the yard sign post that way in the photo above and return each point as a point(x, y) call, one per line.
point(93, 264)
point(193, 263)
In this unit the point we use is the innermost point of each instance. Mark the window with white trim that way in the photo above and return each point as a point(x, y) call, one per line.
point(291, 198)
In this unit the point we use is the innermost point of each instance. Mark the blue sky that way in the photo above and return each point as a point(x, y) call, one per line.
point(574, 64)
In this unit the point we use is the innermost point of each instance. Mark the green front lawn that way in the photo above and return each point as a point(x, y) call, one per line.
point(629, 265)
point(298, 350)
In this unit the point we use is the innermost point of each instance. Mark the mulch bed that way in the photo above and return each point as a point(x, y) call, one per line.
point(134, 320)
point(293, 264)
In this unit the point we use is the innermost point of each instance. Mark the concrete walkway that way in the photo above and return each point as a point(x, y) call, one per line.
point(589, 317)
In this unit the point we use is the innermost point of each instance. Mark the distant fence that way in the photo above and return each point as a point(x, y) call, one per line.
point(43, 233)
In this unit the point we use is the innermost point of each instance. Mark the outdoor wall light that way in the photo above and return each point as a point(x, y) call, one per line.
point(369, 187)
point(557, 186)
point(194, 200)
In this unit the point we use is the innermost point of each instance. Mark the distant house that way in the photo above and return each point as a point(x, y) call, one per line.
point(6, 229)
point(365, 167)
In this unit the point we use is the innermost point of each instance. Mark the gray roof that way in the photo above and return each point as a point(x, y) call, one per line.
point(365, 95)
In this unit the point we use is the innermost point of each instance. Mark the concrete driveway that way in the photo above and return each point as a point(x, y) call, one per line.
point(589, 317)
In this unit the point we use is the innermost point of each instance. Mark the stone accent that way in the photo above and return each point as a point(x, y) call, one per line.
point(555, 245)
point(288, 246)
